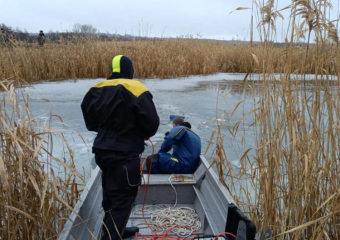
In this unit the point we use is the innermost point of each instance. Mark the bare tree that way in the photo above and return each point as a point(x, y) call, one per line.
point(84, 28)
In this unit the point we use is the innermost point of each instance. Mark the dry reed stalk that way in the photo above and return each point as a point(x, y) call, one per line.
point(294, 170)
point(37, 189)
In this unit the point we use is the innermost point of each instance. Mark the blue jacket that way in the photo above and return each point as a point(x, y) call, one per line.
point(186, 147)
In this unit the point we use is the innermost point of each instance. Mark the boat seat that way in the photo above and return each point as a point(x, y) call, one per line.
point(176, 179)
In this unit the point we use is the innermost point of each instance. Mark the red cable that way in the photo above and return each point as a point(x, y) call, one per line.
point(224, 233)
point(141, 173)
point(147, 186)
point(179, 226)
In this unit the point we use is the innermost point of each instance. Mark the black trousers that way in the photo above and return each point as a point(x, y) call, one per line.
point(120, 181)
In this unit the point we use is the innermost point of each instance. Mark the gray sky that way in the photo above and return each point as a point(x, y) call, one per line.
point(152, 18)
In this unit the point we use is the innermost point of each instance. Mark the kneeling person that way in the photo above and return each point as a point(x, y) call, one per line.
point(186, 147)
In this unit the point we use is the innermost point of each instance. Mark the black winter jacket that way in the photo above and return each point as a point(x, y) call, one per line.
point(121, 110)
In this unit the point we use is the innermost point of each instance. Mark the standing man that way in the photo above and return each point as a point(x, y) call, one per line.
point(123, 114)
point(3, 38)
point(41, 38)
point(186, 146)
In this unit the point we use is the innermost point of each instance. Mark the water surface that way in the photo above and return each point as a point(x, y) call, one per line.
point(203, 100)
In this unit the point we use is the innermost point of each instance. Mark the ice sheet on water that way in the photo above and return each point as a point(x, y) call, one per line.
point(189, 97)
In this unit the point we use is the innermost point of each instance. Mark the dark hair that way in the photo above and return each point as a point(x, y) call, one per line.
point(178, 120)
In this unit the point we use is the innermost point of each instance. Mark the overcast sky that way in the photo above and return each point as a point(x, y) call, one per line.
point(152, 18)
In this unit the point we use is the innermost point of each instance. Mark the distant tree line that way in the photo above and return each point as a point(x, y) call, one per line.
point(79, 32)
point(85, 32)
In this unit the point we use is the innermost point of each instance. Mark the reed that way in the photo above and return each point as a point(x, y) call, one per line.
point(37, 189)
point(152, 58)
point(289, 182)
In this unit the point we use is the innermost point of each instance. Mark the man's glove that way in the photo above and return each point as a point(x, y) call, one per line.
point(167, 133)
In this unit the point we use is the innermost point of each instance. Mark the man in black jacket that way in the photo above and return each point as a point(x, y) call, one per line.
point(41, 38)
point(123, 114)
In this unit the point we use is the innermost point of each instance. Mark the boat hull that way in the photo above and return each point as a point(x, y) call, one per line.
point(204, 193)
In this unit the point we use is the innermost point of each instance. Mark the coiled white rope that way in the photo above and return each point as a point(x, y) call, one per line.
point(183, 220)
point(173, 189)
point(163, 218)
point(179, 217)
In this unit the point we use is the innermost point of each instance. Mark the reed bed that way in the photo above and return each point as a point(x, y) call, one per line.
point(289, 181)
point(151, 58)
point(37, 189)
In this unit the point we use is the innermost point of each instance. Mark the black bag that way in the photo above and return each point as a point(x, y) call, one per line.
point(234, 216)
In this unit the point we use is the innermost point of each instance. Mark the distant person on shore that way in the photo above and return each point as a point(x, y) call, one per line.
point(123, 114)
point(186, 153)
point(3, 38)
point(41, 38)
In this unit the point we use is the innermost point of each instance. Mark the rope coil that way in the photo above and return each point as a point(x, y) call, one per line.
point(181, 221)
